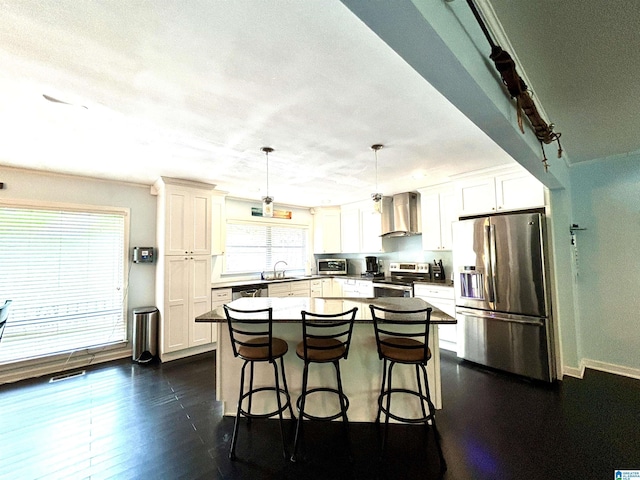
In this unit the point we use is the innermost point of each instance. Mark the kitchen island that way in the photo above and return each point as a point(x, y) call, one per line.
point(361, 371)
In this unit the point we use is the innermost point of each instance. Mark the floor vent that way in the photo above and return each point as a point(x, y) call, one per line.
point(67, 376)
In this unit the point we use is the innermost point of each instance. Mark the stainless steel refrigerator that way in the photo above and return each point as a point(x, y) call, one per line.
point(502, 304)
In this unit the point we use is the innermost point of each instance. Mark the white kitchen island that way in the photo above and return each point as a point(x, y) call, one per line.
point(361, 371)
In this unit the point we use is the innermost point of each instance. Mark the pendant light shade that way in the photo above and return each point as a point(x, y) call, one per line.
point(267, 201)
point(376, 197)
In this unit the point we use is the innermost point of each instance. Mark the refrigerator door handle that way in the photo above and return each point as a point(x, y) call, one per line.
point(492, 262)
point(489, 253)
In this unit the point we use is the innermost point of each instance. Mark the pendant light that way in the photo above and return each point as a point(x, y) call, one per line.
point(377, 197)
point(267, 201)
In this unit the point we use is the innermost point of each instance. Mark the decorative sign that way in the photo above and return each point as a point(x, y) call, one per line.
point(257, 212)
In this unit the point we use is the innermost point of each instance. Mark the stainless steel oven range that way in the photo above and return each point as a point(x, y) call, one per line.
point(399, 283)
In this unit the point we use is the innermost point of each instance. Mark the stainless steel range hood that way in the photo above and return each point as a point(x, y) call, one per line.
point(402, 219)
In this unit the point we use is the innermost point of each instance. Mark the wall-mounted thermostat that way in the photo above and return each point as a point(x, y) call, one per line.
point(142, 254)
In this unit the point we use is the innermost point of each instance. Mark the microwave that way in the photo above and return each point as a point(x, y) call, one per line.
point(332, 266)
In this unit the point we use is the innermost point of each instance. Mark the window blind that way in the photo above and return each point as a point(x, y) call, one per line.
point(255, 247)
point(64, 271)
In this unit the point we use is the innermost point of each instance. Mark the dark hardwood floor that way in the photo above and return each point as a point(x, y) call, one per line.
point(123, 420)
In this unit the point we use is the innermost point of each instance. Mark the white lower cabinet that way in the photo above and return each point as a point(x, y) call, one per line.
point(219, 296)
point(441, 297)
point(298, 288)
point(187, 294)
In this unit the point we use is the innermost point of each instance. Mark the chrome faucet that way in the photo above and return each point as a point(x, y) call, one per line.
point(275, 275)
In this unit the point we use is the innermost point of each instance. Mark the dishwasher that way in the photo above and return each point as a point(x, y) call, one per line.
point(249, 291)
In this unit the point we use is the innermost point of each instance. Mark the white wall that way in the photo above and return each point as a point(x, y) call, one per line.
point(606, 201)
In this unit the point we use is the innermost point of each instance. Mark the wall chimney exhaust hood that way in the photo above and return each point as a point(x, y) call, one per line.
point(402, 219)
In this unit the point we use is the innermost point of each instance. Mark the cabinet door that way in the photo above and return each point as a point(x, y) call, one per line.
point(518, 190)
point(176, 236)
point(350, 230)
point(371, 225)
point(175, 330)
point(199, 222)
point(326, 235)
point(430, 206)
point(447, 217)
point(476, 195)
point(200, 299)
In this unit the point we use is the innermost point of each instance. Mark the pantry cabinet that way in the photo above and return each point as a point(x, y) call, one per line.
point(438, 212)
point(183, 272)
point(498, 191)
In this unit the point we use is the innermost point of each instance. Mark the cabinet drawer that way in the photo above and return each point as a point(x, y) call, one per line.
point(221, 295)
point(301, 286)
point(433, 291)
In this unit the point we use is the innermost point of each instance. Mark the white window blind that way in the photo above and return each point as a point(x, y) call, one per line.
point(64, 271)
point(255, 247)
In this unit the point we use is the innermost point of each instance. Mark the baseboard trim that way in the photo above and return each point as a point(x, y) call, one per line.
point(573, 372)
point(77, 360)
point(187, 352)
point(610, 368)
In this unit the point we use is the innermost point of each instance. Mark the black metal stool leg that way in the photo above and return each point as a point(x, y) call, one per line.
point(432, 414)
point(286, 387)
point(385, 435)
point(343, 408)
point(232, 451)
point(303, 396)
point(384, 377)
point(424, 412)
point(250, 392)
point(279, 401)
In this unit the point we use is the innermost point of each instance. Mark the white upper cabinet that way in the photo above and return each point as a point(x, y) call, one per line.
point(438, 211)
point(500, 190)
point(184, 217)
point(371, 229)
point(361, 228)
point(326, 230)
point(350, 228)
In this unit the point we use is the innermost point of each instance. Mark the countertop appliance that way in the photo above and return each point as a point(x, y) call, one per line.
point(501, 294)
point(399, 283)
point(371, 265)
point(332, 266)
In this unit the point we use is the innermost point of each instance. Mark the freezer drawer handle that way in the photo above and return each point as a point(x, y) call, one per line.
point(524, 320)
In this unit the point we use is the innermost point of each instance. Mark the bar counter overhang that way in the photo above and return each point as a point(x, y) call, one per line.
point(361, 371)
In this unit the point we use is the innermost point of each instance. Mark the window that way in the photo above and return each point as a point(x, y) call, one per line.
point(255, 247)
point(64, 271)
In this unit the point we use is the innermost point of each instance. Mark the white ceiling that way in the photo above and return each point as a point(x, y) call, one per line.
point(195, 89)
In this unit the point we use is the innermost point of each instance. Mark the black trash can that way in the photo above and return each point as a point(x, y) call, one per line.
point(145, 334)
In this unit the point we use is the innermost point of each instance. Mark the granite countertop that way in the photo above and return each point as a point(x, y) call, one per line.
point(258, 282)
point(287, 309)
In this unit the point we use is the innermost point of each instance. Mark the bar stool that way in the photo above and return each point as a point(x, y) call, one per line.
point(325, 339)
point(251, 333)
point(403, 337)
